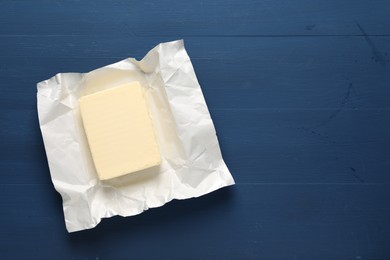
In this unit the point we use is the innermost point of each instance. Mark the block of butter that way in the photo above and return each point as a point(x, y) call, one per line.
point(119, 131)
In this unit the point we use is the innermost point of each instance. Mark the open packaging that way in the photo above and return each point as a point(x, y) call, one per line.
point(191, 162)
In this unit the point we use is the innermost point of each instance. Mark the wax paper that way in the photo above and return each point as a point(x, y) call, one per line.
point(191, 166)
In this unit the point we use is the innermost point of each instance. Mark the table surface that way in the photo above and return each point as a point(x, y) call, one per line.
point(299, 92)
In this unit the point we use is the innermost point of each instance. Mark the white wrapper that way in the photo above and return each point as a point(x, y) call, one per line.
point(191, 166)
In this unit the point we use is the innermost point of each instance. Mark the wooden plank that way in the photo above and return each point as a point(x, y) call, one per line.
point(235, 73)
point(188, 18)
point(246, 221)
point(305, 145)
point(261, 145)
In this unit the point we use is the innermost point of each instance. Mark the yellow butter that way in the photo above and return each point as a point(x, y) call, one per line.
point(119, 131)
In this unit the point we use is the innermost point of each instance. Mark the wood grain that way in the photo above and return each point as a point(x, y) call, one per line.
point(276, 221)
point(183, 18)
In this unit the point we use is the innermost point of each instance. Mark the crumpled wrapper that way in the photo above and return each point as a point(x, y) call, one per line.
point(191, 166)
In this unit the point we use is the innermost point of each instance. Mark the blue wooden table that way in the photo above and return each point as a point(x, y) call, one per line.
point(299, 92)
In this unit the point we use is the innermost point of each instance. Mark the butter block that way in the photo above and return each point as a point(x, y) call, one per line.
point(119, 131)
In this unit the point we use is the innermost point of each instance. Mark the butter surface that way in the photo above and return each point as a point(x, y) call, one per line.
point(119, 131)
